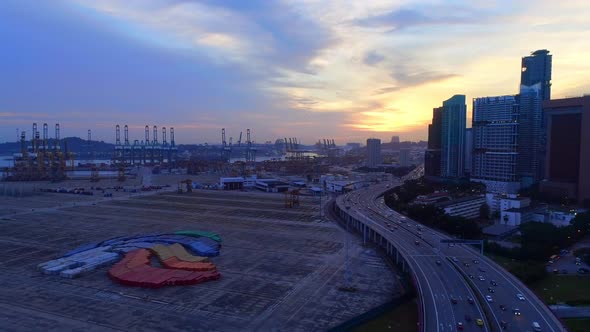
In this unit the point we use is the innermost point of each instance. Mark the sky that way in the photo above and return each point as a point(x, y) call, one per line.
point(311, 69)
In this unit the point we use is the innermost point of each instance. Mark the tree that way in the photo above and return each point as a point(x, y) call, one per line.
point(540, 240)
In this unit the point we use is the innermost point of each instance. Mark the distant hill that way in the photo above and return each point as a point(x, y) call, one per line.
point(75, 144)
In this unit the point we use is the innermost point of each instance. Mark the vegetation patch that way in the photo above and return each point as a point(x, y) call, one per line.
point(577, 324)
point(572, 290)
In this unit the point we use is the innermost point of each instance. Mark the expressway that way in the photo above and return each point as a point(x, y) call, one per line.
point(452, 281)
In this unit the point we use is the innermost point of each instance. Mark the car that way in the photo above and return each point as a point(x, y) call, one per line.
point(455, 259)
point(467, 318)
point(479, 322)
point(536, 327)
point(520, 297)
point(502, 307)
point(475, 261)
point(417, 242)
point(459, 326)
point(491, 290)
point(489, 298)
point(438, 262)
point(583, 270)
point(466, 264)
point(453, 300)
point(481, 278)
point(516, 312)
point(555, 271)
point(494, 283)
point(470, 300)
point(471, 276)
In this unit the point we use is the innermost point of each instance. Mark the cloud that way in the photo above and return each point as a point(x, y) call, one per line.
point(372, 58)
point(254, 34)
point(407, 78)
point(386, 90)
point(407, 17)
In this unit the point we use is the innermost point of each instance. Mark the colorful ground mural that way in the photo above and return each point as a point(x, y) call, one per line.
point(153, 260)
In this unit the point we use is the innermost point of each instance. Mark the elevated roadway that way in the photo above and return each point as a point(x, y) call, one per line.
point(452, 281)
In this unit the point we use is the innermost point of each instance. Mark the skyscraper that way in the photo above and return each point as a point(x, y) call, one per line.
point(535, 70)
point(495, 133)
point(568, 141)
point(535, 87)
point(453, 137)
point(373, 152)
point(432, 154)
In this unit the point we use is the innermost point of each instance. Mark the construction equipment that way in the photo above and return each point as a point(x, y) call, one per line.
point(292, 198)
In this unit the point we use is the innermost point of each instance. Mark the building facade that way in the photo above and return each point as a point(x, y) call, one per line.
point(453, 118)
point(468, 151)
point(432, 154)
point(535, 87)
point(373, 152)
point(567, 148)
point(495, 143)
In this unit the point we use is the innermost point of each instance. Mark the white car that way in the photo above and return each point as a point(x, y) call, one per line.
point(481, 278)
point(520, 297)
point(489, 298)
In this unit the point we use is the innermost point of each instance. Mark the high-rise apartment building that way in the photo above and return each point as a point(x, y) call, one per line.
point(373, 152)
point(432, 154)
point(453, 137)
point(568, 143)
point(495, 143)
point(535, 87)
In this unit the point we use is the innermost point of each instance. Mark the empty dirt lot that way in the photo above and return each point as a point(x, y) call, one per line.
point(280, 267)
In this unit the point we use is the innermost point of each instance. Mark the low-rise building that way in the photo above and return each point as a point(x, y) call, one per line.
point(233, 183)
point(466, 207)
point(272, 185)
point(519, 216)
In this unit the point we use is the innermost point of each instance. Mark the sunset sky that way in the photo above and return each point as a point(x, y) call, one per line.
point(310, 69)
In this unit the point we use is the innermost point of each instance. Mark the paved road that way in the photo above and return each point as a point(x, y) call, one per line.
point(438, 283)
